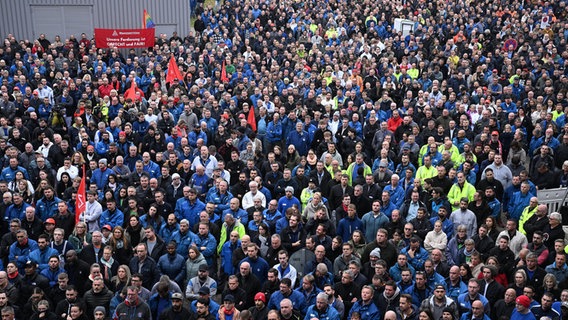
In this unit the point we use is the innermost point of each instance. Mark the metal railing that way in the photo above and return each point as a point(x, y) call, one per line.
point(553, 198)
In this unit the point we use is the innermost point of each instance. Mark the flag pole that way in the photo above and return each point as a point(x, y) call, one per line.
point(84, 177)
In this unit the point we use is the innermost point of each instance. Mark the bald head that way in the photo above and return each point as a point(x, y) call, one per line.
point(390, 315)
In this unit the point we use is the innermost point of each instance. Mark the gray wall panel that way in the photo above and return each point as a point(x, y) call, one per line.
point(16, 15)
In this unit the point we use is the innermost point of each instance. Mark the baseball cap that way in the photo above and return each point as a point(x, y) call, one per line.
point(29, 264)
point(177, 296)
point(50, 220)
point(204, 290)
point(523, 300)
point(203, 267)
point(106, 226)
point(495, 133)
point(229, 298)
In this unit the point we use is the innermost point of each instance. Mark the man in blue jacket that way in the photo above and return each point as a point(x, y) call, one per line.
point(415, 253)
point(21, 249)
point(112, 216)
point(46, 207)
point(300, 139)
point(100, 175)
point(183, 237)
point(17, 210)
point(172, 263)
point(189, 206)
point(206, 243)
point(286, 292)
point(519, 201)
point(321, 310)
point(42, 254)
point(347, 225)
point(274, 132)
point(366, 307)
point(9, 173)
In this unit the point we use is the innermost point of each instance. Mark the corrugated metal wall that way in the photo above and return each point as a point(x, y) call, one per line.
point(167, 14)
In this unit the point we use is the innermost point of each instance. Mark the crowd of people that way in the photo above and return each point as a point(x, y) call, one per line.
point(311, 162)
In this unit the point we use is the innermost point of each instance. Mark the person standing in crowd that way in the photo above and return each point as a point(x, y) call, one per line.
point(332, 129)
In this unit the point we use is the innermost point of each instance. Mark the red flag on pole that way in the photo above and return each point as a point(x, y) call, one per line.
point(81, 201)
point(173, 71)
point(224, 77)
point(131, 92)
point(252, 119)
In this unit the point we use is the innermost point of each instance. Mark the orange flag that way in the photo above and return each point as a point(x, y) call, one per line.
point(173, 71)
point(252, 119)
point(81, 201)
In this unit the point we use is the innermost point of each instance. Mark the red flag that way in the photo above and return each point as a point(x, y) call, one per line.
point(173, 71)
point(131, 92)
point(224, 77)
point(81, 201)
point(252, 119)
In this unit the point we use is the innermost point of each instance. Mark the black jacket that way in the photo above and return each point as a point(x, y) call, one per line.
point(78, 273)
point(34, 228)
point(483, 246)
point(89, 256)
point(170, 314)
point(251, 285)
point(159, 248)
point(336, 195)
point(288, 237)
point(324, 181)
point(149, 271)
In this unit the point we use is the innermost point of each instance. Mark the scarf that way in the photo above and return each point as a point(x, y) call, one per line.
point(108, 266)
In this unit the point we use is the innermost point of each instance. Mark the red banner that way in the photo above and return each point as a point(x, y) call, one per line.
point(81, 201)
point(124, 38)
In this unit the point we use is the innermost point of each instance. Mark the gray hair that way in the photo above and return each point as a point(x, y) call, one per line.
point(322, 268)
point(348, 273)
point(322, 295)
point(557, 216)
